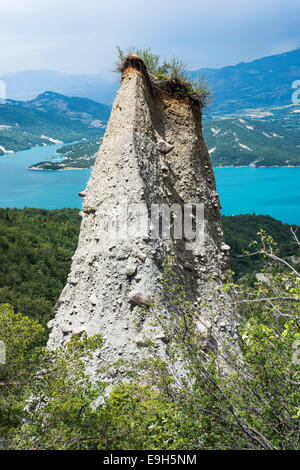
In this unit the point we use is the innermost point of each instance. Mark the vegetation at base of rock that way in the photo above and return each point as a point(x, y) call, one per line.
point(22, 337)
point(251, 402)
point(52, 381)
point(246, 394)
point(168, 76)
point(36, 247)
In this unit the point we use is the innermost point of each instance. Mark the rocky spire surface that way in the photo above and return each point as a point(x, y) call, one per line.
point(153, 153)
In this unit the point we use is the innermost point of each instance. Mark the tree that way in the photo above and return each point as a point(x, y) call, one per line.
point(47, 390)
point(61, 412)
point(21, 336)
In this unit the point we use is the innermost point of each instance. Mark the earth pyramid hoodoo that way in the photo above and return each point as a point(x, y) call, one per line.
point(153, 153)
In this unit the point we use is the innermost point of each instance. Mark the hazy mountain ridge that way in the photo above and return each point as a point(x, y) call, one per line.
point(261, 83)
point(26, 85)
point(241, 92)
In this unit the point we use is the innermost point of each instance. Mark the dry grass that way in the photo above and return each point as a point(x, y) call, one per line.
point(160, 83)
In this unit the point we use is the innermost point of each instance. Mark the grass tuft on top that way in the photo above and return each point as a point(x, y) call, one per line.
point(168, 76)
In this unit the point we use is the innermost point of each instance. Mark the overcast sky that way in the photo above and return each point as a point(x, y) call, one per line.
point(80, 36)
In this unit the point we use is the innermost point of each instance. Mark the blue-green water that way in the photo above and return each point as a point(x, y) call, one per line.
point(273, 191)
point(20, 187)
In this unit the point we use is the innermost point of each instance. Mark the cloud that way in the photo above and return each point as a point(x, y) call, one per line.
point(76, 36)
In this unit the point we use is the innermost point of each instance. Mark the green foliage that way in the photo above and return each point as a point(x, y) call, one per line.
point(60, 412)
point(21, 336)
point(241, 230)
point(138, 417)
point(172, 76)
point(245, 394)
point(36, 247)
point(152, 61)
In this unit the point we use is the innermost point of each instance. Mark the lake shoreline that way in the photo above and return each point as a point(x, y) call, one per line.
point(60, 169)
point(89, 167)
point(270, 191)
point(219, 167)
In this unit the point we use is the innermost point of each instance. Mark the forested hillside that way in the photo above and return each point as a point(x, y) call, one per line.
point(239, 411)
point(36, 247)
point(48, 118)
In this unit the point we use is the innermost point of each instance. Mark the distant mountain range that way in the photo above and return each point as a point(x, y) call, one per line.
point(49, 118)
point(28, 84)
point(260, 83)
point(251, 122)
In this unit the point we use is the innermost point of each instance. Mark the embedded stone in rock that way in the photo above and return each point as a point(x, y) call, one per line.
point(203, 326)
point(93, 299)
point(137, 298)
point(164, 147)
point(61, 298)
point(162, 337)
point(78, 332)
point(82, 194)
point(264, 277)
point(88, 210)
point(225, 247)
point(188, 266)
point(141, 256)
point(65, 329)
point(130, 270)
point(142, 341)
point(50, 323)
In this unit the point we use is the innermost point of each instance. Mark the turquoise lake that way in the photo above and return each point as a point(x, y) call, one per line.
point(272, 191)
